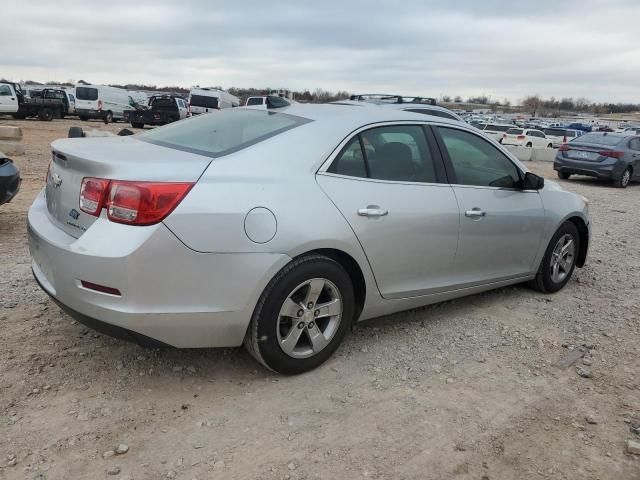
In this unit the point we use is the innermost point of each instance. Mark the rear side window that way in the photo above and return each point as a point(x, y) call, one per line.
point(394, 153)
point(255, 101)
point(204, 101)
point(476, 162)
point(86, 93)
point(217, 135)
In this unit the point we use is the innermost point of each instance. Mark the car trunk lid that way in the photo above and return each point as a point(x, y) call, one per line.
point(119, 158)
point(585, 152)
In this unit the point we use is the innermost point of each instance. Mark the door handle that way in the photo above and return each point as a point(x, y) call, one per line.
point(475, 213)
point(372, 211)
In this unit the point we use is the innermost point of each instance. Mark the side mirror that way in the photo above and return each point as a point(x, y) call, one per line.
point(532, 182)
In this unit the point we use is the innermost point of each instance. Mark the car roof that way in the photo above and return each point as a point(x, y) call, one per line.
point(398, 106)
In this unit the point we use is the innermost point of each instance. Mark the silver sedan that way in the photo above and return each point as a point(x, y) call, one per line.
point(279, 228)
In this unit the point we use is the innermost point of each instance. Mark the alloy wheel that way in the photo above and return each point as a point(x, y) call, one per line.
point(309, 318)
point(562, 258)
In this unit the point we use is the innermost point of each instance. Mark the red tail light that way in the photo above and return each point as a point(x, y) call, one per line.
point(564, 148)
point(612, 154)
point(520, 137)
point(133, 203)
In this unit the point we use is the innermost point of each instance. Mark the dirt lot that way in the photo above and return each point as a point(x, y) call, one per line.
point(469, 389)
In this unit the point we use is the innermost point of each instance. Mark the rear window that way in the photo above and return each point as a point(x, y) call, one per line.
point(217, 135)
point(497, 128)
point(204, 101)
point(255, 101)
point(86, 93)
point(601, 139)
point(514, 131)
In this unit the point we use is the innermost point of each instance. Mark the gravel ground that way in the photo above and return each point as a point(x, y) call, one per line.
point(468, 389)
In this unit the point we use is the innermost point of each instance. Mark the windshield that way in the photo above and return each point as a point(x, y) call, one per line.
point(514, 131)
point(220, 134)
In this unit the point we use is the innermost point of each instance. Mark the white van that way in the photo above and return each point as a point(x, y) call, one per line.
point(101, 101)
point(203, 100)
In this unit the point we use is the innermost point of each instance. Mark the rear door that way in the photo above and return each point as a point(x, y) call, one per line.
point(389, 184)
point(500, 224)
point(8, 99)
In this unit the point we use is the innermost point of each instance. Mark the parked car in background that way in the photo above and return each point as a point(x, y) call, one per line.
point(558, 136)
point(101, 102)
point(395, 216)
point(610, 156)
point(162, 109)
point(422, 105)
point(526, 137)
point(204, 100)
point(584, 127)
point(496, 130)
point(9, 179)
point(267, 101)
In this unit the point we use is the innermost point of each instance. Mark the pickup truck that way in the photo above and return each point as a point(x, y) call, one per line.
point(162, 109)
point(52, 103)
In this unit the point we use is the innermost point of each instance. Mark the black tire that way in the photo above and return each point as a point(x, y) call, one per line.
point(624, 179)
point(46, 114)
point(529, 145)
point(108, 117)
point(84, 118)
point(137, 125)
point(563, 175)
point(75, 132)
point(261, 339)
point(125, 132)
point(19, 116)
point(543, 280)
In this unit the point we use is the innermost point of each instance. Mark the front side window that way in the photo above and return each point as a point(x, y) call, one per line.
point(394, 153)
point(229, 131)
point(5, 91)
point(476, 162)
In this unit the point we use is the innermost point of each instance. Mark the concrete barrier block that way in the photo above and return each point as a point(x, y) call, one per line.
point(10, 133)
point(544, 154)
point(11, 148)
point(522, 153)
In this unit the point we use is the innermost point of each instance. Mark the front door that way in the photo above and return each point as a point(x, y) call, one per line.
point(501, 225)
point(389, 184)
point(8, 99)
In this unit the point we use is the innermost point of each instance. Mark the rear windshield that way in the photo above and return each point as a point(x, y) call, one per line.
point(555, 132)
point(601, 139)
point(204, 101)
point(514, 131)
point(497, 128)
point(255, 101)
point(228, 131)
point(86, 93)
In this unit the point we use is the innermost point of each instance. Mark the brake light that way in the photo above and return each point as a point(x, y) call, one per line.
point(564, 148)
point(132, 203)
point(612, 154)
point(92, 194)
point(520, 137)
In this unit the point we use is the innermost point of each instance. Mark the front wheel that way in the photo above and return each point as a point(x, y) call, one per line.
point(625, 178)
point(563, 175)
point(302, 316)
point(559, 260)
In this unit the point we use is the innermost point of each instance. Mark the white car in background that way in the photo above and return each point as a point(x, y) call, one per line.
point(560, 136)
point(526, 137)
point(496, 130)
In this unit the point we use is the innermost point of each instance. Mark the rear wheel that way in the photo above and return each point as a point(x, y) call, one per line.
point(564, 175)
point(624, 179)
point(46, 114)
point(302, 316)
point(559, 260)
point(108, 117)
point(84, 118)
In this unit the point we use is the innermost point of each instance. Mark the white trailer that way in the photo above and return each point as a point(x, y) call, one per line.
point(208, 99)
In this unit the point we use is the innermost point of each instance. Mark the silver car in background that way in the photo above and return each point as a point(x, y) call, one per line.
point(279, 228)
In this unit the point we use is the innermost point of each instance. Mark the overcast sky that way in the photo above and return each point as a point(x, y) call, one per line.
point(561, 48)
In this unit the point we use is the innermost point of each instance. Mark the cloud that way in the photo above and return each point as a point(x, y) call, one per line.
point(579, 48)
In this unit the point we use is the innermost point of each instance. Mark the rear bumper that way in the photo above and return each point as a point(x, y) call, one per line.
point(83, 112)
point(9, 182)
point(169, 293)
point(608, 169)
